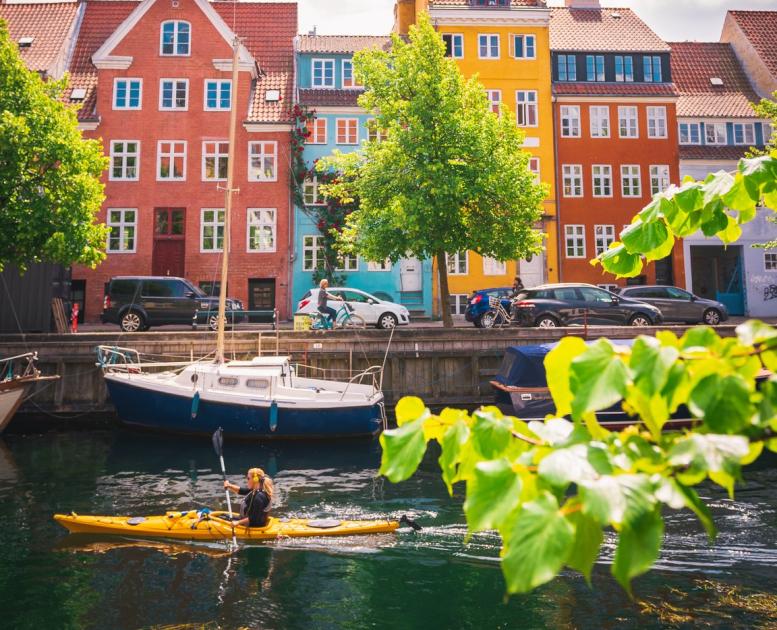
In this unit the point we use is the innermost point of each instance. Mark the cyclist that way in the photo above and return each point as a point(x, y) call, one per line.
point(323, 296)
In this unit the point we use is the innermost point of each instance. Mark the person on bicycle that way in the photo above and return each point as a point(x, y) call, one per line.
point(517, 286)
point(323, 296)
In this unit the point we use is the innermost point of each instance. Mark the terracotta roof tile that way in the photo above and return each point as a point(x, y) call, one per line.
point(707, 152)
point(760, 27)
point(466, 3)
point(694, 65)
point(601, 31)
point(329, 98)
point(341, 44)
point(590, 88)
point(50, 25)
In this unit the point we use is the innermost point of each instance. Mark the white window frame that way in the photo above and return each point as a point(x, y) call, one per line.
point(217, 157)
point(454, 37)
point(599, 126)
point(354, 86)
point(122, 224)
point(324, 85)
point(690, 126)
point(175, 83)
point(123, 155)
point(715, 127)
point(631, 173)
point(495, 98)
point(624, 76)
point(514, 37)
point(597, 77)
point(572, 180)
point(625, 115)
point(258, 218)
point(574, 234)
point(188, 52)
point(458, 304)
point(745, 127)
point(313, 244)
point(128, 80)
point(348, 122)
point(347, 262)
point(489, 45)
point(315, 132)
point(494, 267)
point(604, 177)
point(659, 178)
point(172, 155)
point(657, 122)
point(220, 86)
point(379, 267)
point(215, 224)
point(568, 76)
point(570, 121)
point(649, 62)
point(310, 185)
point(525, 106)
point(770, 260)
point(604, 236)
point(454, 261)
point(258, 175)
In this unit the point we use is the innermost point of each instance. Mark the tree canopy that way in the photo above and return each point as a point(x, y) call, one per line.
point(50, 188)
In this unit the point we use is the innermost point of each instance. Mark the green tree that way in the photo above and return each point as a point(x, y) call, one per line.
point(449, 176)
point(50, 188)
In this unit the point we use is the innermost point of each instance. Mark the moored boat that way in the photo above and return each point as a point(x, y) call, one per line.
point(18, 375)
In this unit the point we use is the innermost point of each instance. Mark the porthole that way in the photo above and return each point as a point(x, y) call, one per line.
point(228, 381)
point(195, 378)
point(258, 383)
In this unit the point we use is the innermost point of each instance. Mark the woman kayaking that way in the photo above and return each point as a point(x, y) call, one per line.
point(257, 497)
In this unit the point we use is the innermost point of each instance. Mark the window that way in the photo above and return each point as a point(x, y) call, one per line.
point(323, 73)
point(524, 47)
point(125, 160)
point(575, 241)
point(594, 67)
point(656, 120)
point(630, 180)
point(349, 81)
point(627, 122)
point(495, 98)
point(218, 94)
point(263, 161)
point(212, 230)
point(652, 68)
point(770, 261)
point(526, 108)
point(379, 266)
point(715, 133)
point(570, 121)
point(348, 262)
point(318, 131)
point(659, 178)
point(624, 68)
point(612, 288)
point(171, 160)
point(347, 131)
point(454, 45)
point(534, 167)
point(488, 46)
point(373, 133)
point(567, 67)
point(261, 229)
point(572, 176)
point(215, 160)
point(689, 133)
point(310, 192)
point(312, 253)
point(493, 267)
point(127, 93)
point(122, 223)
point(604, 236)
point(744, 133)
point(175, 39)
point(458, 264)
point(600, 121)
point(173, 94)
point(458, 303)
point(602, 180)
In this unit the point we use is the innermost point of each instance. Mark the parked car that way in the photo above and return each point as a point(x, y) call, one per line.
point(478, 303)
point(139, 302)
point(677, 305)
point(552, 305)
point(374, 311)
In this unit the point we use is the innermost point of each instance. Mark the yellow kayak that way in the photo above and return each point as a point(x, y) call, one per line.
point(205, 525)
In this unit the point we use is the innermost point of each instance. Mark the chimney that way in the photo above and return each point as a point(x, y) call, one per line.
point(582, 4)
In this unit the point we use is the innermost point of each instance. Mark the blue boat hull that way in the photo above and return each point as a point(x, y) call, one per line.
point(142, 407)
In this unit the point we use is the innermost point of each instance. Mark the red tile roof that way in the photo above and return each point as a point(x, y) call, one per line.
point(466, 3)
point(707, 152)
point(602, 30)
point(590, 88)
point(694, 65)
point(760, 27)
point(50, 25)
point(330, 98)
point(341, 44)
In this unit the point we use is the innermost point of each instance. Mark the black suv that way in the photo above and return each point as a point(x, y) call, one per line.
point(138, 302)
point(552, 305)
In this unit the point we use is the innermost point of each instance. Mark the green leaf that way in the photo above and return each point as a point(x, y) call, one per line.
point(554, 431)
point(403, 450)
point(650, 364)
point(598, 379)
point(537, 546)
point(493, 493)
point(723, 402)
point(639, 544)
point(652, 239)
point(491, 433)
point(702, 337)
point(617, 499)
point(739, 196)
point(620, 262)
point(557, 370)
point(452, 443)
point(754, 332)
point(410, 408)
point(588, 541)
point(567, 465)
point(709, 452)
point(695, 504)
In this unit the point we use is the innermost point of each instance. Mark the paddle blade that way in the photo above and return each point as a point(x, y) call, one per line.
point(218, 441)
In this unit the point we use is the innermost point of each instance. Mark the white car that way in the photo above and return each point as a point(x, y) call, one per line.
point(374, 311)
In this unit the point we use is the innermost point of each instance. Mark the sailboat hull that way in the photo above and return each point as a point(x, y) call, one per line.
point(149, 408)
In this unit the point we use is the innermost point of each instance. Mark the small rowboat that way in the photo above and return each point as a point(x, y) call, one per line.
point(206, 525)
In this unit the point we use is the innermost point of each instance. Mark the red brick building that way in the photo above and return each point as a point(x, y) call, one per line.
point(616, 133)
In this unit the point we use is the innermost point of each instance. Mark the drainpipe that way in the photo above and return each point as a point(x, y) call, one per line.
point(292, 209)
point(557, 166)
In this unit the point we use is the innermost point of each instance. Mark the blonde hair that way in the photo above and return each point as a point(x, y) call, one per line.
point(258, 475)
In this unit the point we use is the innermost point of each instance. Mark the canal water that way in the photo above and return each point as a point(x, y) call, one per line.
point(430, 579)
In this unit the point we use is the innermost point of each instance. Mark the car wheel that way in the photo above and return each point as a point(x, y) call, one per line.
point(640, 320)
point(213, 323)
point(711, 317)
point(132, 321)
point(387, 321)
point(488, 319)
point(546, 321)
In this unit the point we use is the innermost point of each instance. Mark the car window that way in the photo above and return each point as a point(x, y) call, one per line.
point(678, 294)
point(523, 295)
point(307, 295)
point(354, 296)
point(178, 288)
point(595, 295)
point(564, 295)
point(642, 293)
point(157, 288)
point(124, 287)
point(335, 292)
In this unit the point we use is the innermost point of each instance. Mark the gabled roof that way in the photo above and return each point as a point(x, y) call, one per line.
point(694, 67)
point(50, 25)
point(341, 44)
point(602, 30)
point(760, 28)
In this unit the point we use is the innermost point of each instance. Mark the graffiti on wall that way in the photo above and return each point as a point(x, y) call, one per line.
point(770, 292)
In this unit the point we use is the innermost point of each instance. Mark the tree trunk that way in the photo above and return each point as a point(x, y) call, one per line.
point(445, 295)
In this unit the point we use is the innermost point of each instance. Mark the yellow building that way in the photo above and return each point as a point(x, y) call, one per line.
point(505, 42)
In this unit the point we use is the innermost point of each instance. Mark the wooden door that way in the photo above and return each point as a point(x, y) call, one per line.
point(169, 255)
point(261, 297)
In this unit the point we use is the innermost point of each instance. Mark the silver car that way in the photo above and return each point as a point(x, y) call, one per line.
point(677, 305)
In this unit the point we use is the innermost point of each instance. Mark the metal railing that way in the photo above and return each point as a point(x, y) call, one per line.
point(19, 366)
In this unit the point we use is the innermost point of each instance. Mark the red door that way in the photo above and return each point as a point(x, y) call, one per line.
point(169, 242)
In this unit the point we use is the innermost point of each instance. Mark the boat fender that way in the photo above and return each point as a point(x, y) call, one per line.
point(195, 405)
point(325, 523)
point(273, 416)
point(405, 520)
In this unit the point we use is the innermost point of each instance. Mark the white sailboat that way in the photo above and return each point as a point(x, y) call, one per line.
point(18, 375)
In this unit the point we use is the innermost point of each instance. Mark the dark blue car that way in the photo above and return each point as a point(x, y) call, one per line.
point(478, 303)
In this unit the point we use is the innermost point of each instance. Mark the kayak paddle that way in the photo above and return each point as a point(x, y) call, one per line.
point(218, 446)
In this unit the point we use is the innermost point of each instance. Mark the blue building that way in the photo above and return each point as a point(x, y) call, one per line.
point(326, 86)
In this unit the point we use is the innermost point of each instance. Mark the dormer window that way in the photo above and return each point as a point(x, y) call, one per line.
point(175, 39)
point(323, 73)
point(652, 69)
point(25, 42)
point(490, 3)
point(349, 81)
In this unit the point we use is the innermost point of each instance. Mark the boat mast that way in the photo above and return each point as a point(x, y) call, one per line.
point(228, 204)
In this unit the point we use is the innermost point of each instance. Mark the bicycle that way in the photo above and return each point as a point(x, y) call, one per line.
point(344, 318)
point(497, 316)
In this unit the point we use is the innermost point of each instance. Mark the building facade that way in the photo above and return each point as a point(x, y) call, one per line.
point(327, 87)
point(753, 37)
